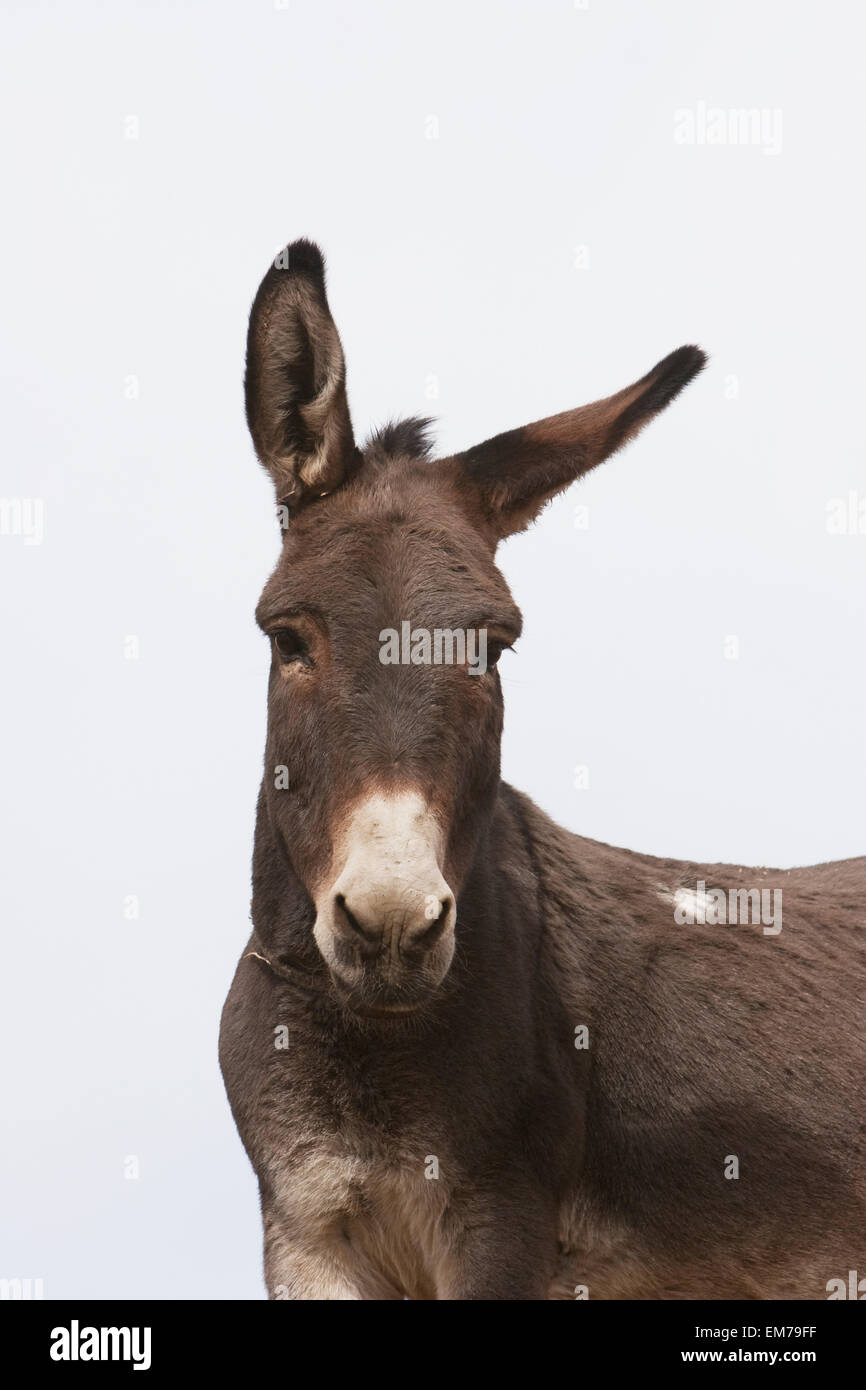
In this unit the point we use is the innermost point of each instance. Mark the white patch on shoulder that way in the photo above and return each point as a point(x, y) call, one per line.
point(687, 901)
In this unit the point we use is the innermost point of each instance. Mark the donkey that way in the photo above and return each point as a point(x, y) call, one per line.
point(471, 1055)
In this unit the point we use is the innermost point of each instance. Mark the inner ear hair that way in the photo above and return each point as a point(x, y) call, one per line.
point(295, 384)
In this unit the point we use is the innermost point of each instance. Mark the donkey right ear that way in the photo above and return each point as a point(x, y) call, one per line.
point(295, 381)
point(515, 474)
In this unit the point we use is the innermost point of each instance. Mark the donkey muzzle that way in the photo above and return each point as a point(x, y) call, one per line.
point(385, 925)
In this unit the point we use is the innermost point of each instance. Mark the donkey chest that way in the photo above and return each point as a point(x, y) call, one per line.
point(384, 1212)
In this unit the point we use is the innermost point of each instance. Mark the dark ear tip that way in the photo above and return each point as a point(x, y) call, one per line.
point(689, 360)
point(669, 376)
point(302, 257)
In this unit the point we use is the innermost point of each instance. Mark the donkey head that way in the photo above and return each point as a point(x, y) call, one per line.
point(387, 615)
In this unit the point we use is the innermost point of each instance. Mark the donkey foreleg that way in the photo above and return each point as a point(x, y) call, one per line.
point(318, 1262)
point(313, 1265)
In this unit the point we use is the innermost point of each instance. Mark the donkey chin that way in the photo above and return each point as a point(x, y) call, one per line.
point(385, 925)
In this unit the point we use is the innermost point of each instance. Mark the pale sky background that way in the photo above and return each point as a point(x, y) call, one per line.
point(550, 244)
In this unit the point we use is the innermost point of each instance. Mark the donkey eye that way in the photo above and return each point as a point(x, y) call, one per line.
point(291, 646)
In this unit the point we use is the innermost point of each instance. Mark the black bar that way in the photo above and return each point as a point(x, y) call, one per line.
point(200, 1336)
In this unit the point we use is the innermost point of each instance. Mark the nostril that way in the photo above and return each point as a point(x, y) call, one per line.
point(353, 921)
point(431, 931)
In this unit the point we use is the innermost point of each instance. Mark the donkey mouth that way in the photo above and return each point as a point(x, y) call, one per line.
point(382, 1010)
point(370, 995)
point(370, 1000)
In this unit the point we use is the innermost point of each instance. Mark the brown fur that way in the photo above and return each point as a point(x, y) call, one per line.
point(558, 1167)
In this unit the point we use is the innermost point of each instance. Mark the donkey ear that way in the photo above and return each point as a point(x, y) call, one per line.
point(516, 473)
point(295, 381)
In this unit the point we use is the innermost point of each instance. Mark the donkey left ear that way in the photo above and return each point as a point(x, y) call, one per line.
point(513, 475)
point(295, 382)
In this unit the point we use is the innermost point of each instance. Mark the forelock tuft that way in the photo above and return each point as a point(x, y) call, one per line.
point(407, 437)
